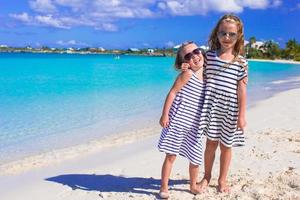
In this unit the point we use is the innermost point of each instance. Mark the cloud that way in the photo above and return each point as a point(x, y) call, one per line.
point(23, 17)
point(277, 3)
point(104, 15)
point(202, 7)
point(48, 20)
point(37, 44)
point(71, 43)
point(107, 27)
point(43, 6)
point(40, 20)
point(254, 4)
point(170, 44)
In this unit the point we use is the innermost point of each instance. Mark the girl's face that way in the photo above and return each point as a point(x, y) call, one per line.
point(193, 56)
point(227, 35)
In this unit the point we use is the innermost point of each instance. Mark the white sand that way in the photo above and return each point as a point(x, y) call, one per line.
point(128, 166)
point(276, 61)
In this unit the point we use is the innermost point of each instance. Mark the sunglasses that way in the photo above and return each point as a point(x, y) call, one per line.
point(189, 56)
point(230, 35)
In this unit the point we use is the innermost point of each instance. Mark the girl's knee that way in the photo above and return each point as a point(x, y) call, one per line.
point(193, 166)
point(224, 148)
point(170, 158)
point(211, 145)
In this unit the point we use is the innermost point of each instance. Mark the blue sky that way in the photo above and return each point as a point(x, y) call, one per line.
point(123, 24)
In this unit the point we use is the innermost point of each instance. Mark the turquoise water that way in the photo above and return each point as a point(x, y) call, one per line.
point(50, 101)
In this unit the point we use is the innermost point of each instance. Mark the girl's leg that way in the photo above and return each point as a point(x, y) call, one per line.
point(194, 171)
point(166, 171)
point(209, 158)
point(225, 159)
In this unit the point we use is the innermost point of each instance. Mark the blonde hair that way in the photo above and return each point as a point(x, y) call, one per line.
point(179, 59)
point(214, 43)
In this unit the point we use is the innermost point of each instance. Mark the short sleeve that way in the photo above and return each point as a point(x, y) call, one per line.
point(243, 71)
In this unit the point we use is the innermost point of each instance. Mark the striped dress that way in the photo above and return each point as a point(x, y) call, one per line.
point(181, 136)
point(220, 107)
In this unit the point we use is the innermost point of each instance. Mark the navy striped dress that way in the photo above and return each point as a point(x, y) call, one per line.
point(220, 107)
point(181, 136)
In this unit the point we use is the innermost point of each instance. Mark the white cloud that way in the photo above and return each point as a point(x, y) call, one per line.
point(107, 27)
point(37, 44)
point(43, 6)
point(276, 3)
point(202, 7)
point(23, 17)
point(170, 44)
point(103, 15)
point(254, 4)
point(223, 6)
point(71, 43)
point(75, 3)
point(48, 20)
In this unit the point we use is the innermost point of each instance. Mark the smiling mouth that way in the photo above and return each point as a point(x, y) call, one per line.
point(197, 62)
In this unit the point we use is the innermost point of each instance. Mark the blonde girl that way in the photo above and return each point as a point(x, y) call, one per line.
point(223, 113)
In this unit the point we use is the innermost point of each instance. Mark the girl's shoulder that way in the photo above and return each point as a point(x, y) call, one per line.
point(182, 79)
point(210, 53)
point(242, 61)
point(242, 58)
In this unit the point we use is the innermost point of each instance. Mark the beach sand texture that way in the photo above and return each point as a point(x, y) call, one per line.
point(128, 166)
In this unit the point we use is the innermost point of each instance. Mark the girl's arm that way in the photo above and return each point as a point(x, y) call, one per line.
point(181, 80)
point(242, 97)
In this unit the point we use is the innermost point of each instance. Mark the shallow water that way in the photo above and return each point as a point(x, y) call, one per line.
point(50, 101)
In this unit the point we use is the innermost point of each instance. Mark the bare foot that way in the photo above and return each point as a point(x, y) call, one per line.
point(223, 187)
point(164, 195)
point(194, 189)
point(203, 185)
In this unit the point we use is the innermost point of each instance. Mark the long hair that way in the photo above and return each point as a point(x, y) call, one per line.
point(214, 43)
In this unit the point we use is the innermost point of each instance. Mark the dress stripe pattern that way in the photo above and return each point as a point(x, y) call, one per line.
point(220, 108)
point(181, 137)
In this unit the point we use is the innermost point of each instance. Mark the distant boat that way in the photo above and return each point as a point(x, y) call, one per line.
point(117, 57)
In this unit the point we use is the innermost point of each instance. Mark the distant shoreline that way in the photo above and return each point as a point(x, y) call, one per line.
point(275, 61)
point(117, 53)
point(149, 55)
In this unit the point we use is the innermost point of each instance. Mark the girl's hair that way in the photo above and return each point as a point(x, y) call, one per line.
point(214, 43)
point(179, 59)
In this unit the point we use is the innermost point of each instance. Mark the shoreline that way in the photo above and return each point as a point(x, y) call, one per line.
point(150, 55)
point(275, 61)
point(57, 156)
point(265, 168)
point(116, 139)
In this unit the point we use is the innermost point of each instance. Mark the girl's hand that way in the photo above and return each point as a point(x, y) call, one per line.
point(164, 121)
point(185, 67)
point(241, 123)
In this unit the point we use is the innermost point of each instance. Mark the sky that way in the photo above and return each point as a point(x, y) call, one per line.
point(123, 24)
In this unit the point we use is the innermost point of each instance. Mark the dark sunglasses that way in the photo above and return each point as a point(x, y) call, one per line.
point(189, 56)
point(231, 35)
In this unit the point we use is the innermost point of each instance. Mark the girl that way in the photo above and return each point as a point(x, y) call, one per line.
point(223, 114)
point(181, 117)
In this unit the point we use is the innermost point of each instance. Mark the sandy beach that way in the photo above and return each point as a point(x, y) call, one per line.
point(128, 166)
point(275, 61)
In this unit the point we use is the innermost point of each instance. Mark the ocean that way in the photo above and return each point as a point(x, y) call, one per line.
point(50, 101)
